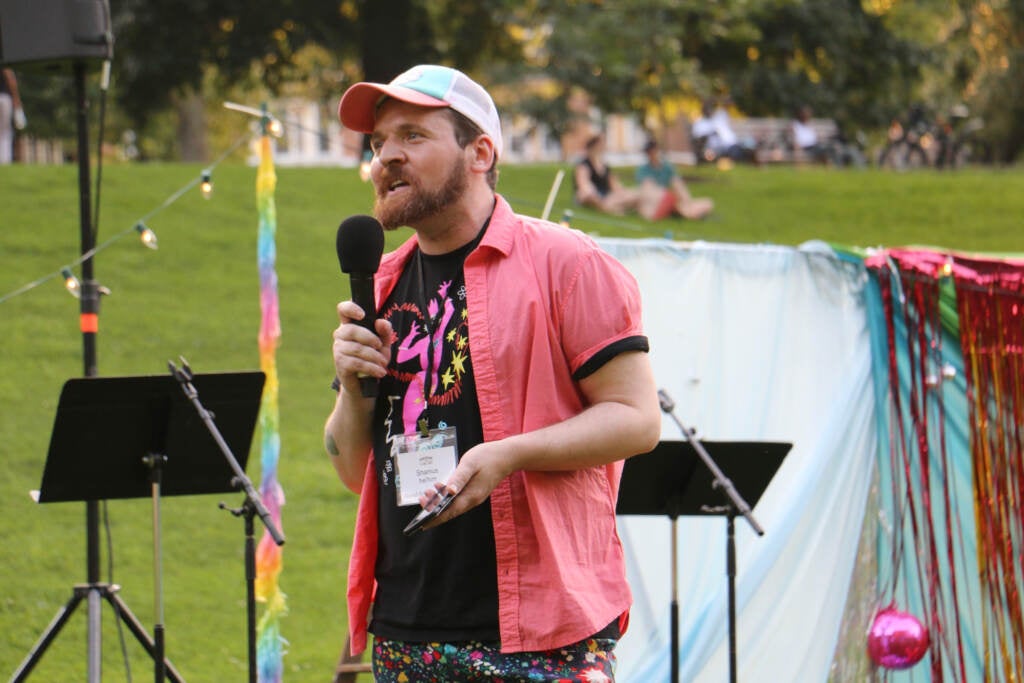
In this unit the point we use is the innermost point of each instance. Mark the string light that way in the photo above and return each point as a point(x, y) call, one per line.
point(71, 283)
point(947, 267)
point(206, 185)
point(364, 166)
point(566, 221)
point(146, 236)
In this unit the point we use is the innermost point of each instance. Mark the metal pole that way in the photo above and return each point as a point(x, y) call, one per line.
point(89, 325)
point(674, 657)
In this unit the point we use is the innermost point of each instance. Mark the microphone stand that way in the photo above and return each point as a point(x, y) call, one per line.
point(252, 506)
point(734, 504)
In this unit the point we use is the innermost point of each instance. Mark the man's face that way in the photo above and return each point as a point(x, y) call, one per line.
point(418, 169)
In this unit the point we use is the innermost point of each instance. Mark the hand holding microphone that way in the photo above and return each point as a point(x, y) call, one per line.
point(360, 244)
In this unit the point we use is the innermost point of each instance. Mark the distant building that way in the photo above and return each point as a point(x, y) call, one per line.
point(314, 137)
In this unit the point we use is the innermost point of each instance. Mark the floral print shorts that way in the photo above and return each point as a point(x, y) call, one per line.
point(588, 661)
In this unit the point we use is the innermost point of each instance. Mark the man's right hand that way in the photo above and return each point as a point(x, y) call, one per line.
point(358, 351)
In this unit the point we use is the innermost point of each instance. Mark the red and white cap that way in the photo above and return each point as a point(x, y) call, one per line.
point(426, 85)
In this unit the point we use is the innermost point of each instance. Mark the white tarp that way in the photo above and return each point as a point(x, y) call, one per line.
point(755, 343)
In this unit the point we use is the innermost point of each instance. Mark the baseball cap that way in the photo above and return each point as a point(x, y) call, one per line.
point(426, 85)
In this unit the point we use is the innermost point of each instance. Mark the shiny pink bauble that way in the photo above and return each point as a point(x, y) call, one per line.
point(897, 640)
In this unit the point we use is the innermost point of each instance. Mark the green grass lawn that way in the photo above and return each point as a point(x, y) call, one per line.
point(197, 297)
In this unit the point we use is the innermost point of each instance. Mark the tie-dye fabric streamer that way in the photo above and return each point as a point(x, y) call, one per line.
point(270, 644)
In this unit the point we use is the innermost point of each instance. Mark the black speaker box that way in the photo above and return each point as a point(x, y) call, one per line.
point(47, 31)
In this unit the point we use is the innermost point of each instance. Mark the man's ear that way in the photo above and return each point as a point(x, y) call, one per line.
point(482, 154)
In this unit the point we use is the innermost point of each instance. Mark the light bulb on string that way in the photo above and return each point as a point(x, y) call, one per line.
point(364, 166)
point(71, 283)
point(947, 267)
point(206, 186)
point(146, 236)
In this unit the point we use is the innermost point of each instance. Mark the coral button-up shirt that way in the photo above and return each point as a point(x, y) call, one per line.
point(543, 300)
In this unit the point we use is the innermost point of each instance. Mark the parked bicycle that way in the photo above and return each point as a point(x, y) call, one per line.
point(958, 142)
point(942, 142)
point(907, 144)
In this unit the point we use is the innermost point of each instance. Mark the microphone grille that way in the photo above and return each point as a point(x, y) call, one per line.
point(360, 244)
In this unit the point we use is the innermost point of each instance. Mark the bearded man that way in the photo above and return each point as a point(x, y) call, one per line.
point(511, 360)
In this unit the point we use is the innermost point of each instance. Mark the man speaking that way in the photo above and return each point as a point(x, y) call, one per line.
point(513, 375)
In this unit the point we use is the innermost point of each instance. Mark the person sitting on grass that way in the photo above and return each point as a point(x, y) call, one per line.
point(597, 186)
point(663, 191)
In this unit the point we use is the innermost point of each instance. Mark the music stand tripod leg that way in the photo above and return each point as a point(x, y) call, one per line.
point(121, 610)
point(48, 636)
point(139, 631)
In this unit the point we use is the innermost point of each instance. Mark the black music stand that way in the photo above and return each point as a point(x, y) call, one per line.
point(671, 480)
point(137, 437)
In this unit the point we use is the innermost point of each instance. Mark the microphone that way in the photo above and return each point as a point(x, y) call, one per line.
point(360, 244)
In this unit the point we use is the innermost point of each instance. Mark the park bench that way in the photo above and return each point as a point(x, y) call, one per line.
point(771, 137)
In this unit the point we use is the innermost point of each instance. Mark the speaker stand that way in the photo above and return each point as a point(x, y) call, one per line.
point(94, 591)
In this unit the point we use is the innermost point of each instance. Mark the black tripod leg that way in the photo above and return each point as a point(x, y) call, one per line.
point(48, 636)
point(139, 631)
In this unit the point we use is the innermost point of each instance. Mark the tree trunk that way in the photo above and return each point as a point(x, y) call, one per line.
point(191, 127)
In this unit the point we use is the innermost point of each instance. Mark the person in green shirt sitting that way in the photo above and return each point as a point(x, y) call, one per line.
point(664, 192)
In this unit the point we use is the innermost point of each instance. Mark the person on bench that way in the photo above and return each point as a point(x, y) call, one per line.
point(714, 135)
point(805, 141)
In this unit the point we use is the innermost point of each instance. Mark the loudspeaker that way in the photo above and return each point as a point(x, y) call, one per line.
point(42, 31)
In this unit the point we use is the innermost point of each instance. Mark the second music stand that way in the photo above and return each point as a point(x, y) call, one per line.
point(673, 481)
point(138, 437)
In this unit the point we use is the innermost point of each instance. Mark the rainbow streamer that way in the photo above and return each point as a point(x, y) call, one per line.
point(270, 644)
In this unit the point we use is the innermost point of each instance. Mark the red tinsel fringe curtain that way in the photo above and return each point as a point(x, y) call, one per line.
point(990, 303)
point(910, 294)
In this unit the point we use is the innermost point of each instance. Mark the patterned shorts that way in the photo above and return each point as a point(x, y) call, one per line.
point(588, 661)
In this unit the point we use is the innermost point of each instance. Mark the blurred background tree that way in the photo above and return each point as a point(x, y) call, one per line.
point(862, 62)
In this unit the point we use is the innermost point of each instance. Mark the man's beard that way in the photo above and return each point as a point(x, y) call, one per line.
point(420, 204)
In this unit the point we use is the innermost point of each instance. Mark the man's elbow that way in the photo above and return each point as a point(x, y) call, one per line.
point(646, 426)
point(649, 428)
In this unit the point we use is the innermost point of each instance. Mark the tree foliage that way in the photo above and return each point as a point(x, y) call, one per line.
point(862, 62)
point(163, 49)
point(829, 54)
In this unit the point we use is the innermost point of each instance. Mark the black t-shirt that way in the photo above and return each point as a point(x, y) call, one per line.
point(440, 584)
point(602, 181)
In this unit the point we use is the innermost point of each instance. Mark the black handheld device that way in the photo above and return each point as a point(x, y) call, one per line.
point(426, 515)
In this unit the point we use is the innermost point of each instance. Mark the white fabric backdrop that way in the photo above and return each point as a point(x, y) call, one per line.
point(755, 343)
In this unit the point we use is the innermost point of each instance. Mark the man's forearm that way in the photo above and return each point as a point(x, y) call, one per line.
point(601, 434)
point(348, 438)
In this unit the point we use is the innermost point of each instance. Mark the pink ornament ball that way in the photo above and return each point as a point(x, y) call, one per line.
point(897, 640)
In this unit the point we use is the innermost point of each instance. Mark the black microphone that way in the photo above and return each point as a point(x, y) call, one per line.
point(360, 244)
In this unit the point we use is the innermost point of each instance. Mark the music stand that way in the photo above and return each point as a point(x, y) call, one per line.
point(136, 437)
point(672, 481)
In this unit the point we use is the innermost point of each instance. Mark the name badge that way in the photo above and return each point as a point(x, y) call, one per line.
point(421, 461)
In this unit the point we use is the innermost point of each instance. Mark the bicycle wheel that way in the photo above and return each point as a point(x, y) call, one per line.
point(963, 153)
point(915, 157)
point(892, 156)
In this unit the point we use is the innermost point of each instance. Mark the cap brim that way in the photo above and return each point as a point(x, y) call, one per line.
point(358, 106)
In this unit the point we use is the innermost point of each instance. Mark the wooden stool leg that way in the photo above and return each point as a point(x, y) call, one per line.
point(350, 666)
